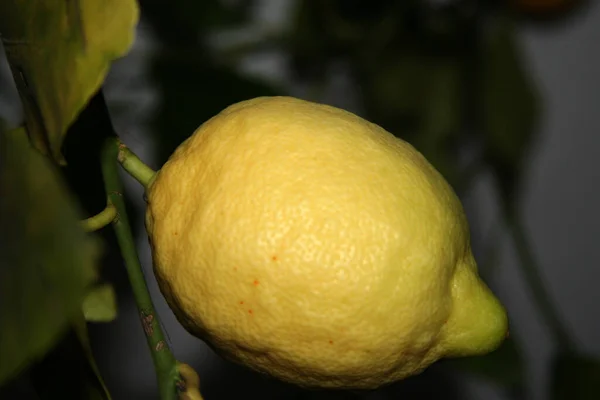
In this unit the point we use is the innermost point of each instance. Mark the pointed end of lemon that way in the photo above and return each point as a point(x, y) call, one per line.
point(478, 323)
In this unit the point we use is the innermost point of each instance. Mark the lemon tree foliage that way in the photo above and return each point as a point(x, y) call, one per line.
point(422, 95)
point(510, 104)
point(100, 304)
point(59, 53)
point(575, 376)
point(309, 244)
point(47, 261)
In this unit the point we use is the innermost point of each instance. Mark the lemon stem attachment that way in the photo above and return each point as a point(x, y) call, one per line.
point(101, 219)
point(189, 385)
point(164, 361)
point(532, 276)
point(134, 166)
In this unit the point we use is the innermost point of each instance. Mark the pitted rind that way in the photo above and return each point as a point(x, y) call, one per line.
point(289, 236)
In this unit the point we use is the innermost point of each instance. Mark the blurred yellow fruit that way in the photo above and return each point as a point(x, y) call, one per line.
point(309, 244)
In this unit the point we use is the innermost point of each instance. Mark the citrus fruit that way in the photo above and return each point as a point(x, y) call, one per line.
point(304, 242)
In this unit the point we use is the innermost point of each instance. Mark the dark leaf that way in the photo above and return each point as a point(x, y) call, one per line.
point(308, 43)
point(182, 22)
point(399, 86)
point(510, 104)
point(47, 261)
point(575, 377)
point(192, 91)
point(441, 117)
point(418, 98)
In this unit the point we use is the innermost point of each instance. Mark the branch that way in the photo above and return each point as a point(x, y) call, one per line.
point(164, 361)
point(101, 219)
point(134, 166)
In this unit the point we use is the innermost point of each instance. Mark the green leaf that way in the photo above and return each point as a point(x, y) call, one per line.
point(47, 261)
point(503, 366)
point(576, 377)
point(510, 104)
point(59, 53)
point(100, 304)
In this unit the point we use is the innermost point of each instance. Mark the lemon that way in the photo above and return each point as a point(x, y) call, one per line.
point(304, 242)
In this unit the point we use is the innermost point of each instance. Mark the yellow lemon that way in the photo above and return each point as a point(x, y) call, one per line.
point(309, 244)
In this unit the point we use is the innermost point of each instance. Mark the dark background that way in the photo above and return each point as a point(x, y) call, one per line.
point(177, 76)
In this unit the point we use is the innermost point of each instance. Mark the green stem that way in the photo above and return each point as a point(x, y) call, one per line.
point(134, 166)
point(532, 276)
point(164, 361)
point(100, 220)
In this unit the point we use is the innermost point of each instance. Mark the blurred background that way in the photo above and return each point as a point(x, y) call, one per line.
point(502, 96)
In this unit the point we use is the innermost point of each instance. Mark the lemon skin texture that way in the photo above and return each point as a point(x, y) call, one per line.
point(309, 244)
